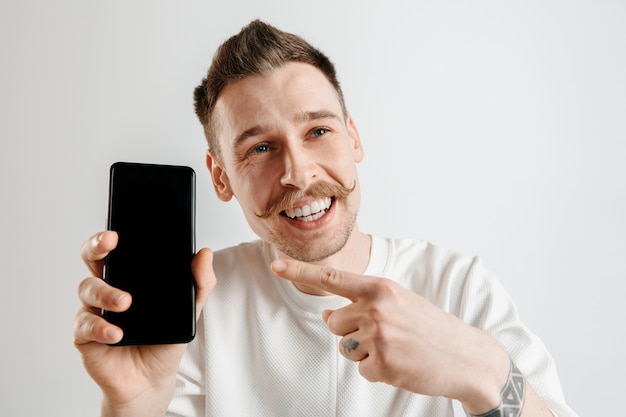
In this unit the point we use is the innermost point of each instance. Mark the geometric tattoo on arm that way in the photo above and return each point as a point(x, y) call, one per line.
point(512, 396)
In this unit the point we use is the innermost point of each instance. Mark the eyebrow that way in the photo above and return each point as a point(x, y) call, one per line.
point(248, 133)
point(306, 116)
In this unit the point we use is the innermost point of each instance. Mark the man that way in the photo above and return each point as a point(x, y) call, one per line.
point(316, 318)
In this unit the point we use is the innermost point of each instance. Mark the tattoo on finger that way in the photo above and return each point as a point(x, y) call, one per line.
point(349, 345)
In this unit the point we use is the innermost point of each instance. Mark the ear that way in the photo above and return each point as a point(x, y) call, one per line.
point(356, 139)
point(221, 184)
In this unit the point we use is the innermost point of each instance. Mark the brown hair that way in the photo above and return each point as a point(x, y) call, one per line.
point(257, 49)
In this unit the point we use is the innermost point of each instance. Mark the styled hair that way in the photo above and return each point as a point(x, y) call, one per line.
point(258, 49)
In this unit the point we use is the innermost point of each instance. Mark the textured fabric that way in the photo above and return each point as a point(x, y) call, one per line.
point(262, 348)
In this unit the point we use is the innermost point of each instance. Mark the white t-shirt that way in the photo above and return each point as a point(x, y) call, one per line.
point(262, 348)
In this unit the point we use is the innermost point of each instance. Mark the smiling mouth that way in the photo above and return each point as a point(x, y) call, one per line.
point(309, 212)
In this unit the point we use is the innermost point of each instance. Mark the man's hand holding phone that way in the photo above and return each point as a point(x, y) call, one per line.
point(135, 380)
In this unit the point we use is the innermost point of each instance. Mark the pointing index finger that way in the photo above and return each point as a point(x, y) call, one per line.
point(345, 284)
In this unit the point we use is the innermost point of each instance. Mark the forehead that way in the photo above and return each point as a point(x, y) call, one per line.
point(280, 97)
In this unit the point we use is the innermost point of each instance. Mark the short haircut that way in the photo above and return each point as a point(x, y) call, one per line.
point(258, 49)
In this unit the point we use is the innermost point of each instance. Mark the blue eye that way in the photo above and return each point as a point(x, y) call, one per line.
point(320, 131)
point(261, 148)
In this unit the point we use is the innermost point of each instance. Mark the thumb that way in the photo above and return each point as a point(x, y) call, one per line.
point(202, 269)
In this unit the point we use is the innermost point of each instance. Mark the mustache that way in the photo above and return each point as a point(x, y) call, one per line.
point(319, 189)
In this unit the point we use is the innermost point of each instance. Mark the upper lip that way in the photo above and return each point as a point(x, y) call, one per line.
point(315, 206)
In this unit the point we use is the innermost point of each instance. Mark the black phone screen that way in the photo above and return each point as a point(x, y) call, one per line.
point(152, 208)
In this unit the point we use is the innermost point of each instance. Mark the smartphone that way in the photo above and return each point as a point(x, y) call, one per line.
point(152, 208)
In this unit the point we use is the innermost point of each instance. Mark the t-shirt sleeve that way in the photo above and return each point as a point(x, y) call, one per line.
point(484, 303)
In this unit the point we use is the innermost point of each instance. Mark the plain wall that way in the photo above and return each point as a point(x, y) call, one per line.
point(495, 128)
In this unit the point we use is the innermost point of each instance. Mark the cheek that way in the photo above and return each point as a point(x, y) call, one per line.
point(254, 190)
point(348, 154)
point(342, 166)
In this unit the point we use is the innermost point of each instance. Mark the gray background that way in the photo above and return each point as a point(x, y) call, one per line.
point(495, 128)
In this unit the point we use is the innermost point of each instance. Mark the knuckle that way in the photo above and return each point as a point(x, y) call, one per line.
point(368, 371)
point(329, 277)
point(383, 288)
point(88, 248)
point(84, 288)
point(89, 327)
point(333, 324)
point(85, 249)
point(91, 292)
point(84, 284)
point(377, 369)
point(375, 315)
point(83, 325)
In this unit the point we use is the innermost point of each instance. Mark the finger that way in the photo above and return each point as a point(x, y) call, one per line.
point(90, 327)
point(342, 321)
point(202, 268)
point(95, 293)
point(345, 284)
point(352, 348)
point(326, 314)
point(96, 248)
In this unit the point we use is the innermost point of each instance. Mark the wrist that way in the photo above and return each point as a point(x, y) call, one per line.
point(132, 410)
point(511, 398)
point(150, 403)
point(484, 372)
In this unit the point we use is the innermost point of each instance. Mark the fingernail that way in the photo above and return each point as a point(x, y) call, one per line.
point(279, 265)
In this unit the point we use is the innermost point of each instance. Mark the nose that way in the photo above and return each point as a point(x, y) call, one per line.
point(300, 169)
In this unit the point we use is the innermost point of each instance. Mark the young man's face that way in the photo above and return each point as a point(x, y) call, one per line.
point(289, 157)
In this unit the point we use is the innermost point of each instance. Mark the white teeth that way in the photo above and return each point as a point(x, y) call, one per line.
point(310, 212)
point(315, 207)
